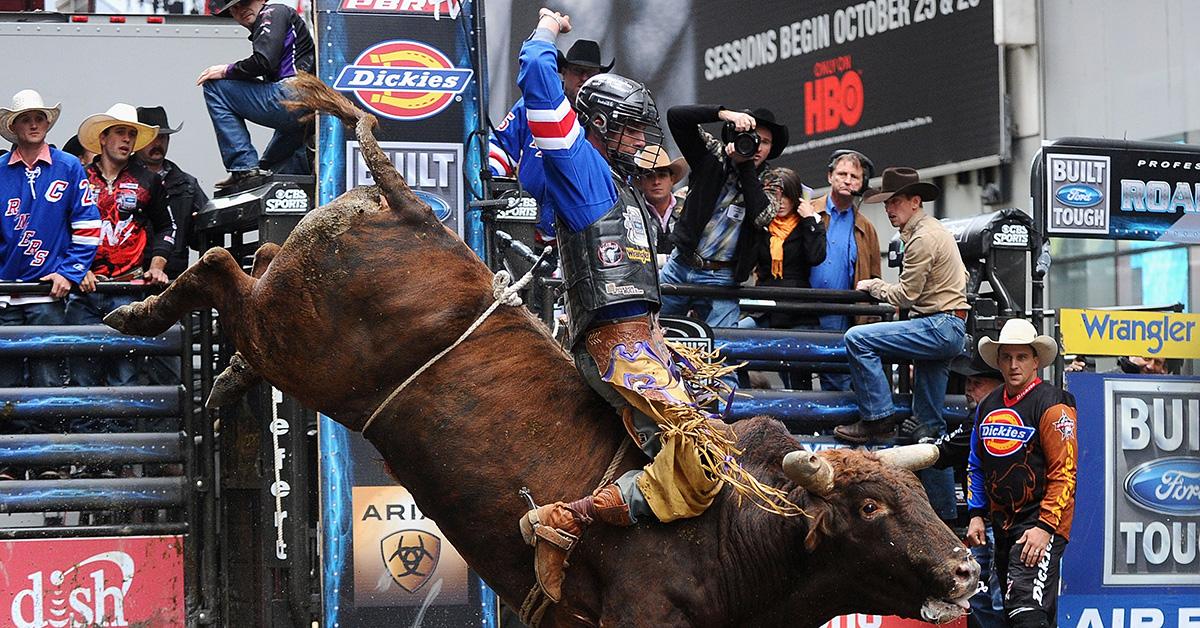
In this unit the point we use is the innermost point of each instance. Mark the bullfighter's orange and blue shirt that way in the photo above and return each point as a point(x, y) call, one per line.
point(1024, 459)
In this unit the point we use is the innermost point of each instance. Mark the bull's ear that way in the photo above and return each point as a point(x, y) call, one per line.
point(819, 527)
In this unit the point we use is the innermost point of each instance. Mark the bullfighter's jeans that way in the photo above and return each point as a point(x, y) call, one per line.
point(930, 342)
point(232, 102)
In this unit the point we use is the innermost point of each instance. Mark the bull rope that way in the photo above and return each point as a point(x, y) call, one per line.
point(503, 293)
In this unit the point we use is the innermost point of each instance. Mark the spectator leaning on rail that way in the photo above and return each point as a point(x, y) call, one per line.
point(254, 89)
point(788, 248)
point(512, 148)
point(133, 219)
point(852, 250)
point(932, 288)
point(48, 232)
point(1022, 473)
point(658, 175)
point(714, 237)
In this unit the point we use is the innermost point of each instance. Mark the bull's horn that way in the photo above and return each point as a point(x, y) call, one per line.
point(911, 457)
point(810, 471)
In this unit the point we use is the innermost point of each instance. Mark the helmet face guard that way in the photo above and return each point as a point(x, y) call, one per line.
point(623, 112)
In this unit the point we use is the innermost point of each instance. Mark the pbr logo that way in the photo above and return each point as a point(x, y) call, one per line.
point(1077, 195)
point(411, 556)
point(403, 80)
point(437, 9)
point(1003, 433)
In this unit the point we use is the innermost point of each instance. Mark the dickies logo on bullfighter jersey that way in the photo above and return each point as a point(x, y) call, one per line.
point(1002, 432)
point(403, 80)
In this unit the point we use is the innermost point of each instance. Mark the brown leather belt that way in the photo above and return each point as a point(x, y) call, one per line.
point(699, 263)
point(960, 314)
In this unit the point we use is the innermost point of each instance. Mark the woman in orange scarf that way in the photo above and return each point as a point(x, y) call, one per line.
point(789, 247)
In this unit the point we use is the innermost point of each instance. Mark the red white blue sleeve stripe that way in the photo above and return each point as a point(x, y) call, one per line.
point(553, 129)
point(86, 232)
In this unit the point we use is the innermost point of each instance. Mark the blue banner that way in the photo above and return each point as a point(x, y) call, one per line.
point(1134, 559)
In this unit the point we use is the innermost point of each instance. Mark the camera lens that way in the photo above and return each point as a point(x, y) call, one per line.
point(745, 143)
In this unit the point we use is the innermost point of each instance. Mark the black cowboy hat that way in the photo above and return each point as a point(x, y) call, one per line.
point(968, 366)
point(219, 7)
point(763, 117)
point(156, 116)
point(586, 53)
point(904, 181)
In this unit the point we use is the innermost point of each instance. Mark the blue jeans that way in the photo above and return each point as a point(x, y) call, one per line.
point(232, 102)
point(715, 312)
point(930, 342)
point(90, 309)
point(33, 372)
point(987, 605)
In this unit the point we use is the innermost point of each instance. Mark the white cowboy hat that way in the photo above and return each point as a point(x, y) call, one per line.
point(119, 114)
point(1018, 331)
point(22, 101)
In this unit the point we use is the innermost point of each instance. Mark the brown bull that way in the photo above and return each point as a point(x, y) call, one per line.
point(364, 293)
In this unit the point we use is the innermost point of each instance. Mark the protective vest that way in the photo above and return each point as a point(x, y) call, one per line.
point(609, 262)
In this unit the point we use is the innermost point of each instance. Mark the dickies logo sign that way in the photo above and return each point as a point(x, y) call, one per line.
point(403, 80)
point(1003, 433)
point(437, 9)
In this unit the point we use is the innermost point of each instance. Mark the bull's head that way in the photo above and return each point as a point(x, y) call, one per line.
point(872, 519)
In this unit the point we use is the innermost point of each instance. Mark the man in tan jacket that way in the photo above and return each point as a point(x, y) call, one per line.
point(851, 244)
point(932, 288)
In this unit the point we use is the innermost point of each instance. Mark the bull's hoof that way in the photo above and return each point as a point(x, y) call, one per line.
point(233, 383)
point(118, 319)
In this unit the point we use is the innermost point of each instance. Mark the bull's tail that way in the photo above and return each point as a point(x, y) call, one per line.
point(313, 95)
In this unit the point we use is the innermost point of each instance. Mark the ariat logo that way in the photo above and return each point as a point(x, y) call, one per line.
point(403, 80)
point(411, 556)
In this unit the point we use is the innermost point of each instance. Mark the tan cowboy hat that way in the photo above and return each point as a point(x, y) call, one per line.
point(119, 114)
point(651, 159)
point(902, 181)
point(22, 101)
point(1018, 331)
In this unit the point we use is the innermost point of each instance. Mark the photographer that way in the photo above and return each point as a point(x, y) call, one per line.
point(714, 237)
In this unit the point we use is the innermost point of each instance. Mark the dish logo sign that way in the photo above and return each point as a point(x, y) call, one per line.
point(93, 582)
point(403, 80)
point(834, 98)
point(437, 9)
point(1076, 194)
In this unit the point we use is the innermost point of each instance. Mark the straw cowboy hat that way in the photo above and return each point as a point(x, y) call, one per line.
point(650, 159)
point(22, 101)
point(1018, 331)
point(119, 114)
point(904, 181)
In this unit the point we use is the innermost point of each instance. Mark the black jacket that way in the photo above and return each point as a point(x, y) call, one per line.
point(185, 198)
point(706, 181)
point(281, 46)
point(803, 249)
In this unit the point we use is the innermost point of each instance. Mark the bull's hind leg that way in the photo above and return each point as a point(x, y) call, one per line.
point(239, 376)
point(216, 281)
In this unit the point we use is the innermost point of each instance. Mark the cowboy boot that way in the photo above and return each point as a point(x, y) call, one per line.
point(554, 530)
